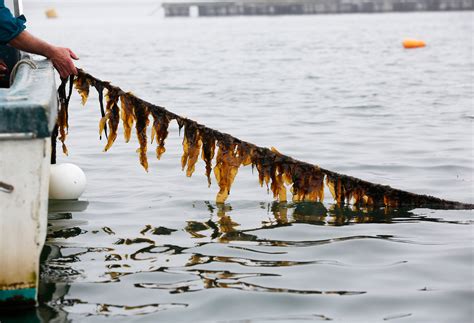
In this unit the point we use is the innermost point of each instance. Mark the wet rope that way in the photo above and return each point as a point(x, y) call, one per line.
point(15, 68)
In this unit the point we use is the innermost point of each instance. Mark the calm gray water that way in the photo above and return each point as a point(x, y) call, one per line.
point(335, 90)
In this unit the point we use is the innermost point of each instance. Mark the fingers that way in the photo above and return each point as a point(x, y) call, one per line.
point(71, 68)
point(65, 68)
point(62, 72)
point(62, 61)
point(74, 56)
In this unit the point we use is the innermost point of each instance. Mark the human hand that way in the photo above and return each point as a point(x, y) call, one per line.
point(61, 58)
point(3, 69)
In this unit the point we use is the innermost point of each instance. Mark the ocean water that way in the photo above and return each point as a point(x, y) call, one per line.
point(335, 90)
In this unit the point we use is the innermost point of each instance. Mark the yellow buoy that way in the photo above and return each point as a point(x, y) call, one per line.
point(413, 43)
point(51, 13)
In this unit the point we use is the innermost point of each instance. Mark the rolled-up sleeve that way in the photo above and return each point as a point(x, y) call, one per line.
point(10, 27)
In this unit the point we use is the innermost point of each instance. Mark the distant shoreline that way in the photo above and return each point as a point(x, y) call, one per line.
point(308, 7)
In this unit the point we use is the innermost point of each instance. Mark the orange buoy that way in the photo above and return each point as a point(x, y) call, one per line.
point(413, 43)
point(51, 13)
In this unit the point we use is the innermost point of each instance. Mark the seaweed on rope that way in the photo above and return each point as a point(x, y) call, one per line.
point(277, 171)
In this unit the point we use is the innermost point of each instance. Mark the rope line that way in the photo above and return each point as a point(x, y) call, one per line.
point(277, 171)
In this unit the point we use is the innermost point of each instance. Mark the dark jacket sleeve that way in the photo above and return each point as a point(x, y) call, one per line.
point(10, 27)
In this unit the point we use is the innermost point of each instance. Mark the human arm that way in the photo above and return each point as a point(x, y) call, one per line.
point(12, 32)
point(60, 57)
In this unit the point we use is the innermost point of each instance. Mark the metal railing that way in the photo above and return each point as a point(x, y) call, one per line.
point(17, 7)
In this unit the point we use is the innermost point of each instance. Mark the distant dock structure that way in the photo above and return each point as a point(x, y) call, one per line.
point(307, 7)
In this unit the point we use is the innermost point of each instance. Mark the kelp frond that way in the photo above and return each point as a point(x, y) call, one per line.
point(62, 126)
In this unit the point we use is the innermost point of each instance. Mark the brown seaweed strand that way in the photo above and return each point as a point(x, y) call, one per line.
point(208, 150)
point(307, 179)
point(245, 152)
point(142, 113)
point(335, 187)
point(227, 166)
point(191, 147)
point(100, 92)
point(82, 83)
point(180, 122)
point(160, 131)
point(263, 159)
point(127, 115)
point(347, 190)
point(277, 186)
point(161, 135)
point(71, 87)
point(112, 118)
point(62, 121)
point(308, 183)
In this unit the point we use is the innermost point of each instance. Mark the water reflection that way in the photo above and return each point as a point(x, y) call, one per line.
point(60, 222)
point(218, 279)
point(225, 229)
point(79, 306)
point(225, 250)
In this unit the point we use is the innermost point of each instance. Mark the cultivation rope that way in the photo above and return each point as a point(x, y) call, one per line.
point(279, 172)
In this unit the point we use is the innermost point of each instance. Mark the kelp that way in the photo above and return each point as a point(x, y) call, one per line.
point(62, 126)
point(228, 161)
point(277, 171)
point(191, 147)
point(208, 151)
point(128, 116)
point(141, 113)
point(159, 131)
point(82, 85)
point(111, 117)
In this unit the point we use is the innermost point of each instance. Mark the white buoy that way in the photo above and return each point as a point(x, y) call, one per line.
point(67, 182)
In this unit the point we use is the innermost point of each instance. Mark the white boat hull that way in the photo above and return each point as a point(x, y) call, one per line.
point(25, 165)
